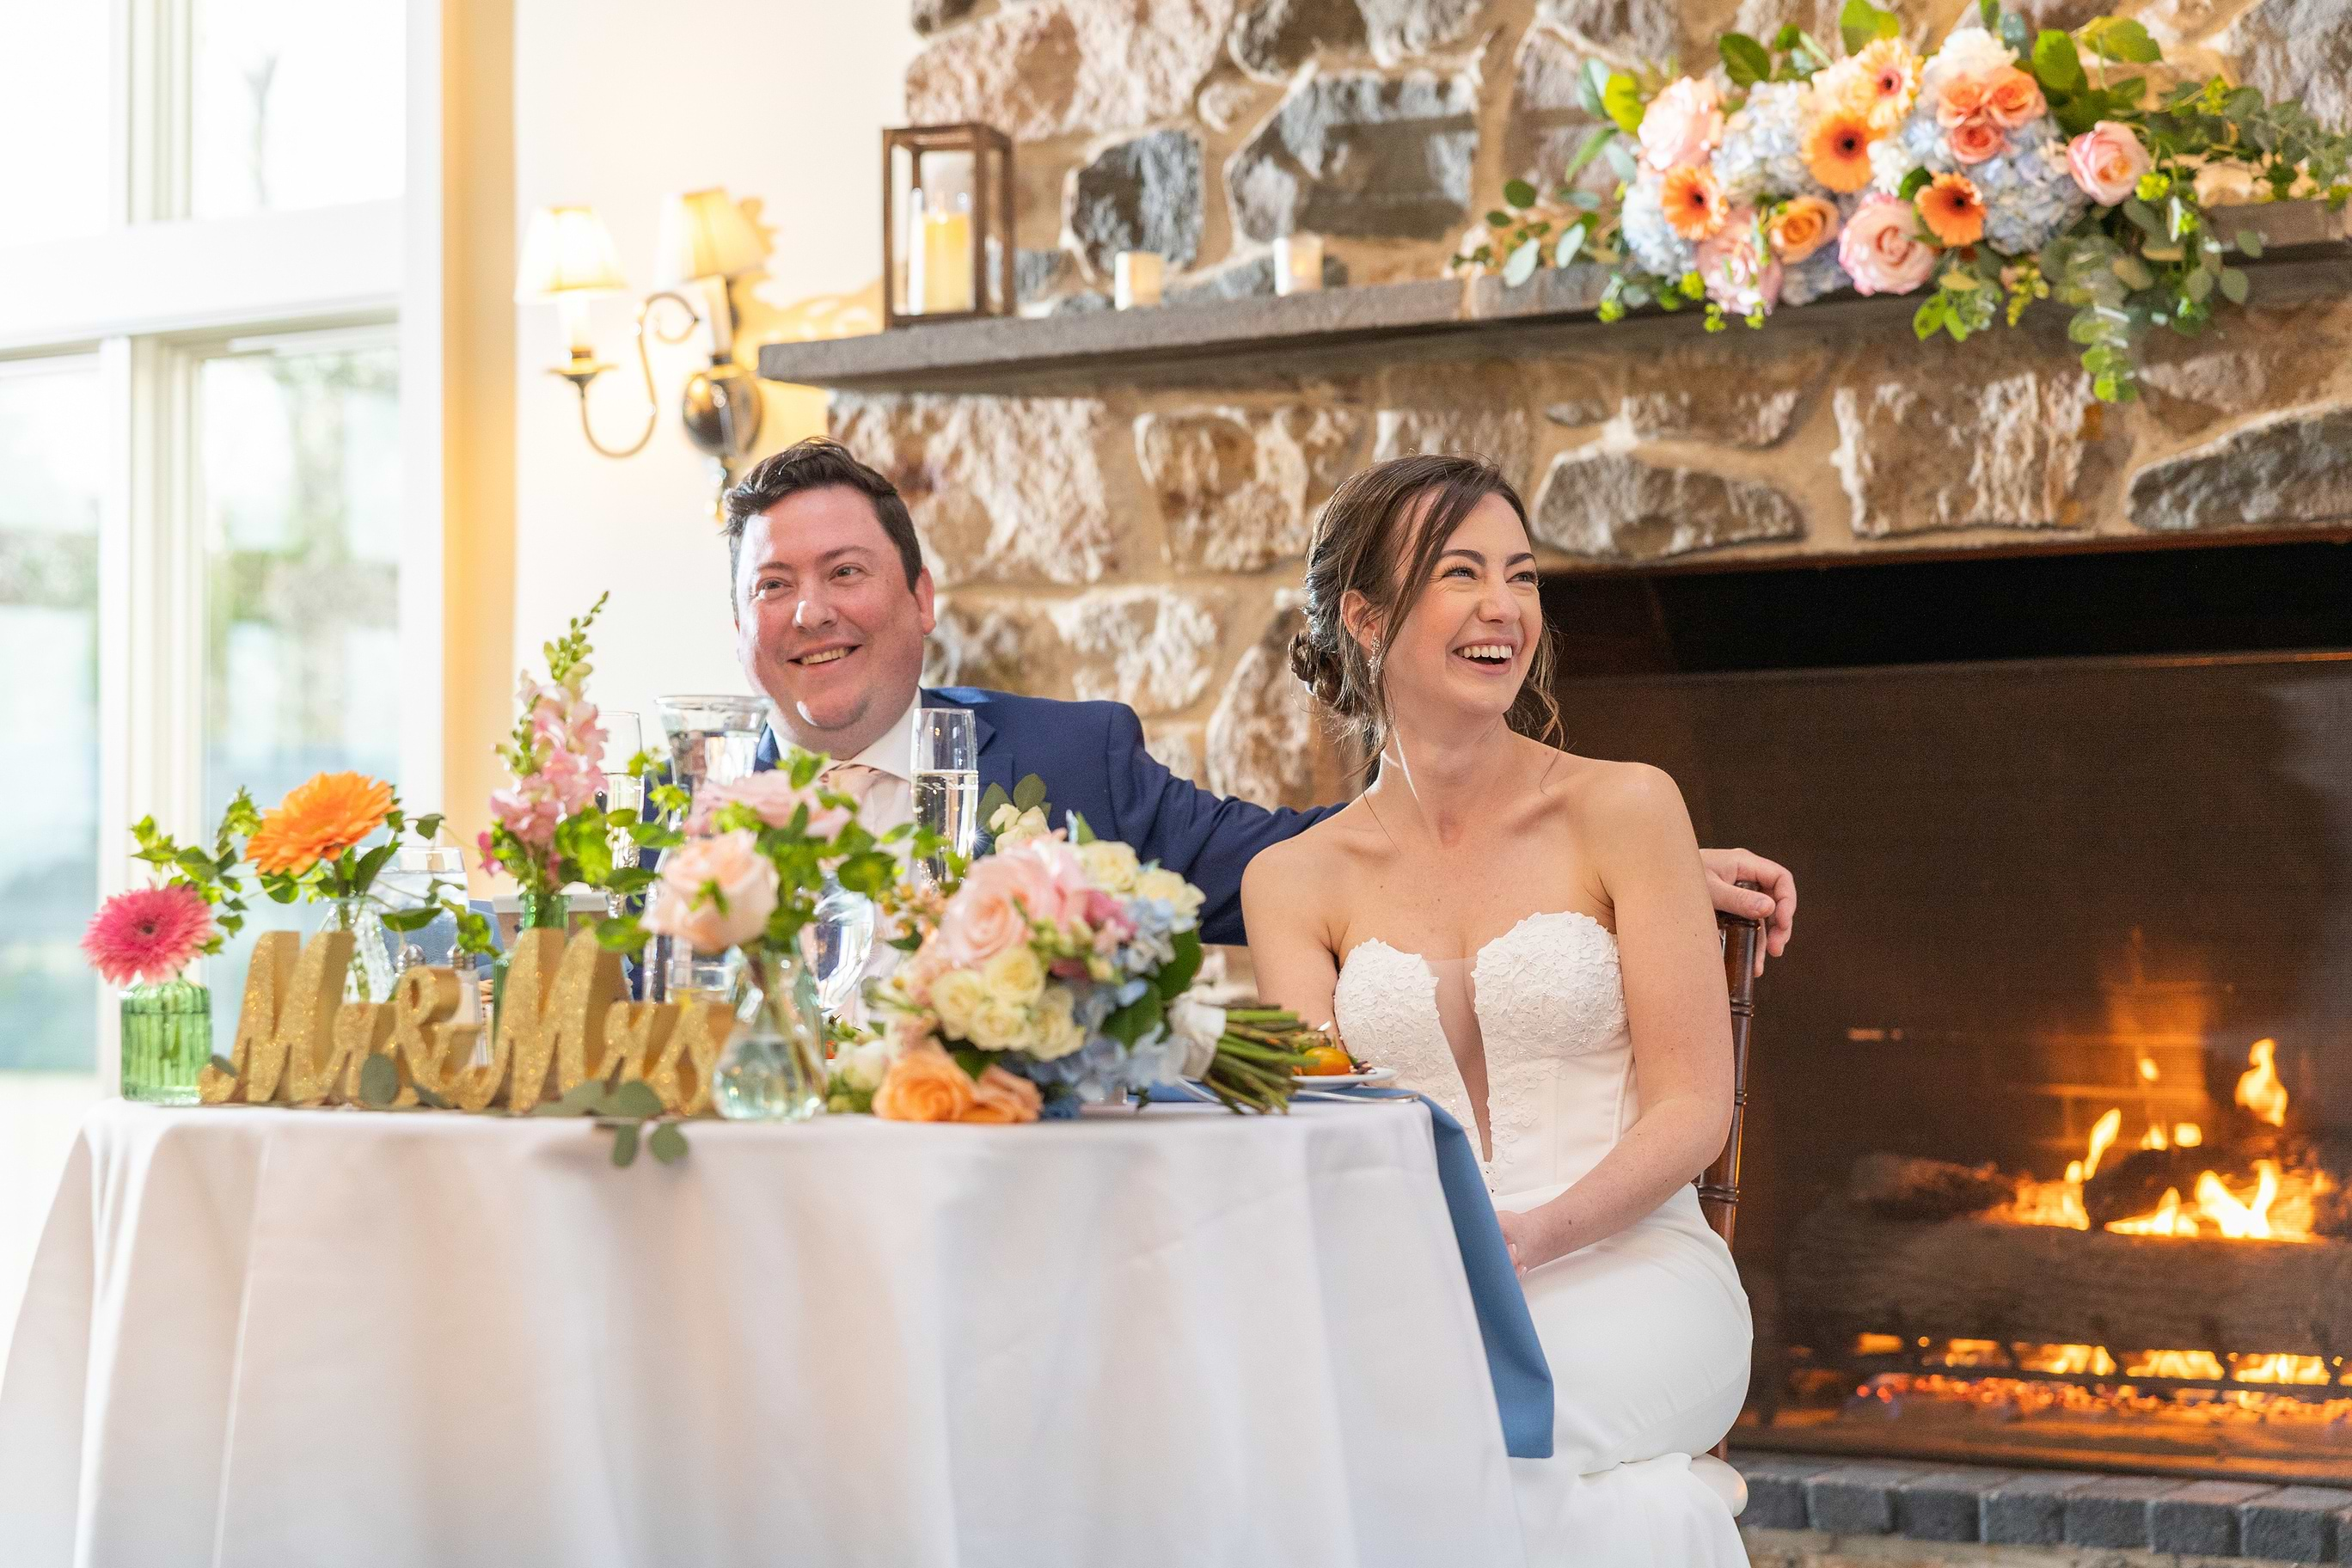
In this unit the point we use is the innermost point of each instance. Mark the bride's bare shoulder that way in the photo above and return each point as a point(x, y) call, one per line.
point(1618, 800)
point(1320, 849)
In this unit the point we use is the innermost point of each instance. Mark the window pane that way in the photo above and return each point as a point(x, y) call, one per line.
point(51, 432)
point(301, 486)
point(53, 97)
point(294, 104)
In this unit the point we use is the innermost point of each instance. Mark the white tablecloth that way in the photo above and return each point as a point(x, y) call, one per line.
point(257, 1338)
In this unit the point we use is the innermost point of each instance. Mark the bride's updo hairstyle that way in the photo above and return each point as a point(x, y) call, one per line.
point(1381, 536)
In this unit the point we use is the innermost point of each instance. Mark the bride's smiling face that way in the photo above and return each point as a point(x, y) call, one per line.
point(1467, 641)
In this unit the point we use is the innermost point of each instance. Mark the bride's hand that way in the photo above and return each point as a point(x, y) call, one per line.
point(1517, 1234)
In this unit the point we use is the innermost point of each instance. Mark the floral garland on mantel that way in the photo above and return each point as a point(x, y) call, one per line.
point(2005, 167)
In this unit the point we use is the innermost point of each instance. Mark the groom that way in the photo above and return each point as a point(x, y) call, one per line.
point(831, 604)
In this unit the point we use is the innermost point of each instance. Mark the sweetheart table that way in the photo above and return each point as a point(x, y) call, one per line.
point(262, 1338)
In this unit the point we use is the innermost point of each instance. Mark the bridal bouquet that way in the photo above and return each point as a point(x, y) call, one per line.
point(1059, 968)
point(2007, 167)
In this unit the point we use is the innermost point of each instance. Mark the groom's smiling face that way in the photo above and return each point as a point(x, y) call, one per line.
point(826, 623)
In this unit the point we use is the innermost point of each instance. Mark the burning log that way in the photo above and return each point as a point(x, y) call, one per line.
point(1896, 1186)
point(1852, 1272)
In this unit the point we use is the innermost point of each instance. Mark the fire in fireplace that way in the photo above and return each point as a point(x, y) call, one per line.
point(2050, 1121)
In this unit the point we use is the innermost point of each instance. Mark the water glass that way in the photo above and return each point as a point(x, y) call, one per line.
point(623, 739)
point(837, 945)
point(946, 771)
point(713, 739)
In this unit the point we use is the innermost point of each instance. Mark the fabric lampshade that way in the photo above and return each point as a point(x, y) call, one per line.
point(705, 235)
point(567, 250)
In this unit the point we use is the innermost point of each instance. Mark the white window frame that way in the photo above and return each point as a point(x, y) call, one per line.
point(149, 296)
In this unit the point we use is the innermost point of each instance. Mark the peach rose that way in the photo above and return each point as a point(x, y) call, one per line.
point(1044, 876)
point(1974, 141)
point(2108, 161)
point(2012, 98)
point(924, 1085)
point(982, 920)
point(1881, 249)
point(1960, 99)
point(715, 893)
point(1801, 226)
point(1681, 124)
point(1001, 1096)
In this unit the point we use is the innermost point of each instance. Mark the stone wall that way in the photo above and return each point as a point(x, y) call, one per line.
point(1138, 539)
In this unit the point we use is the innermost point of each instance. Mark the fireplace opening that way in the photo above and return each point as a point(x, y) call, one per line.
point(2049, 1156)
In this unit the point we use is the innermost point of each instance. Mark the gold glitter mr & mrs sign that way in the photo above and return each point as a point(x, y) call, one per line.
point(563, 1019)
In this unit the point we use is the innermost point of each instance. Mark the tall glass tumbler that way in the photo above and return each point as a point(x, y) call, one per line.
point(713, 741)
point(946, 770)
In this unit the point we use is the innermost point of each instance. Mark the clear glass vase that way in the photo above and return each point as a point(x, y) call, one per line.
point(773, 1067)
point(167, 1038)
point(369, 976)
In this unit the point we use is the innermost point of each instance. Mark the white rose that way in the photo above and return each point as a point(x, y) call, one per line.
point(862, 1066)
point(1967, 51)
point(1197, 1025)
point(1109, 865)
point(1011, 827)
point(955, 997)
point(1171, 889)
point(1014, 976)
point(998, 1026)
point(1058, 1033)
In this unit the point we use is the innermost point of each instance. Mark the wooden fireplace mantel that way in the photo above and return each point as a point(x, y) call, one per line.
point(2307, 251)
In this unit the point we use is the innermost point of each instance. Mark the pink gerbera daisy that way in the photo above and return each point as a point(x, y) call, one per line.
point(149, 934)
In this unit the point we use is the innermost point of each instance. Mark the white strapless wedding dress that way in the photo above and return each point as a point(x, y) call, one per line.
point(1647, 1330)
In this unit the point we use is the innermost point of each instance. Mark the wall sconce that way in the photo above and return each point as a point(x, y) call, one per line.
point(705, 242)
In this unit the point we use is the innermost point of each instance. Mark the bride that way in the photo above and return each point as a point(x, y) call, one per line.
point(1526, 936)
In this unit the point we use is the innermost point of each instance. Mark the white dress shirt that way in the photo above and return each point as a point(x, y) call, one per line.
point(889, 801)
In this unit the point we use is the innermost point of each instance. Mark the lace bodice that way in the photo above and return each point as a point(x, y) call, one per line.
point(1544, 1003)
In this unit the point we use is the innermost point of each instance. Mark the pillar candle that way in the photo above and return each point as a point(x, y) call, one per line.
point(1136, 278)
point(1298, 263)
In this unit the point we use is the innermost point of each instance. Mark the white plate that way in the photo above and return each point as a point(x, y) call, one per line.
point(1345, 1079)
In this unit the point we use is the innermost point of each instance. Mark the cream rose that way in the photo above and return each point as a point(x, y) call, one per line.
point(1058, 1033)
point(1168, 889)
point(2108, 161)
point(1014, 976)
point(1011, 827)
point(1880, 248)
point(998, 1026)
point(924, 1085)
point(864, 1064)
point(1110, 864)
point(955, 997)
point(715, 893)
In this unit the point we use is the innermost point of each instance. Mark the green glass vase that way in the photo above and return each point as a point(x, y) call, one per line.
point(167, 1038)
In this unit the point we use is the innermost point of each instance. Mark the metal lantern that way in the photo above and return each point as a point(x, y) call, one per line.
point(947, 224)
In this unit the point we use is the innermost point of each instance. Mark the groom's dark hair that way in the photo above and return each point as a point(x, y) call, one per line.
point(817, 464)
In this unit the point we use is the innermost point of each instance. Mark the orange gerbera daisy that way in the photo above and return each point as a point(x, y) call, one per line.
point(1692, 201)
point(1838, 150)
point(1952, 210)
point(318, 820)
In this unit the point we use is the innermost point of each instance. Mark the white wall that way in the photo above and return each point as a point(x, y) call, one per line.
point(618, 104)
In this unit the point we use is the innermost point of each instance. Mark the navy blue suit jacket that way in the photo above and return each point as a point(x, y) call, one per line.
point(1091, 758)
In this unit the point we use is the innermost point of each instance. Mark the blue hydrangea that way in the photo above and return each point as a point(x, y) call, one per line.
point(1815, 276)
point(2030, 193)
point(1653, 245)
point(1917, 143)
point(1762, 154)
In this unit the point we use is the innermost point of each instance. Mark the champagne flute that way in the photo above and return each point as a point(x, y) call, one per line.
point(946, 769)
point(624, 737)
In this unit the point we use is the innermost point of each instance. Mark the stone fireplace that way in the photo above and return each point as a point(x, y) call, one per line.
point(2048, 701)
